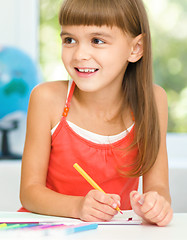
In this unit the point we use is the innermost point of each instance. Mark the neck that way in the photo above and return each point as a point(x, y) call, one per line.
point(103, 104)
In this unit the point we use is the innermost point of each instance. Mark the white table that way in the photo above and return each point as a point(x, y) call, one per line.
point(176, 230)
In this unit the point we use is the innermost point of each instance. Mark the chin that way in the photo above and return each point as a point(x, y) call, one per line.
point(87, 86)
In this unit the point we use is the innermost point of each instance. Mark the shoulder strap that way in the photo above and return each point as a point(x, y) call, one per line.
point(68, 100)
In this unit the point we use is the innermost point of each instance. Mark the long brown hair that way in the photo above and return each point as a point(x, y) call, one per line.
point(131, 17)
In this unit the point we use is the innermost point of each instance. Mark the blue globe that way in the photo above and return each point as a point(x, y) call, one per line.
point(18, 76)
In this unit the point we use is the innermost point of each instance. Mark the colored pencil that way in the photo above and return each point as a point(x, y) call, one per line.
point(2, 225)
point(91, 181)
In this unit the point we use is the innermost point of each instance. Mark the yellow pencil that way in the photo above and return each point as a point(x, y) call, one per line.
point(91, 181)
point(2, 225)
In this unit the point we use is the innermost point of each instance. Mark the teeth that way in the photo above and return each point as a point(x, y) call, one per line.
point(86, 70)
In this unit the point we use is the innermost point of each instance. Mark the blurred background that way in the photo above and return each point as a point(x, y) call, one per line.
point(168, 20)
point(30, 53)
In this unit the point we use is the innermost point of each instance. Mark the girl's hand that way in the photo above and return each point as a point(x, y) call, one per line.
point(97, 206)
point(152, 207)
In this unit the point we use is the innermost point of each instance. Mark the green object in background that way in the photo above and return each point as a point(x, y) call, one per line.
point(168, 23)
point(17, 86)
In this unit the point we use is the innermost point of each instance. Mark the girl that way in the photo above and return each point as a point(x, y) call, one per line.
point(115, 127)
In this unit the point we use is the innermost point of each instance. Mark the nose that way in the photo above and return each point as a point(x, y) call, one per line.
point(82, 52)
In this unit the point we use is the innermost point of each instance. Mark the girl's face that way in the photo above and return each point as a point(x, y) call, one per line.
point(95, 57)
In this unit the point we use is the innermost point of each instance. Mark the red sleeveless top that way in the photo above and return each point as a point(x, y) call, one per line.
point(100, 161)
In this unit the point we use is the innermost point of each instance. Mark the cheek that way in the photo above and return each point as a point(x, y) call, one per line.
point(117, 65)
point(123, 55)
point(117, 61)
point(65, 56)
point(63, 53)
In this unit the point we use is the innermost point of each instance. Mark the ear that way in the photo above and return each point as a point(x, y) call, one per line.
point(137, 49)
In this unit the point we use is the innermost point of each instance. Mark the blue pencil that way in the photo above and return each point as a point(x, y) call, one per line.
point(82, 227)
point(69, 229)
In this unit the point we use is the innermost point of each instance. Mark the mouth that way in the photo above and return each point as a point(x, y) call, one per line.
point(86, 70)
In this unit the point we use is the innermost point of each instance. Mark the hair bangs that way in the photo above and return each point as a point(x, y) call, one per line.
point(91, 12)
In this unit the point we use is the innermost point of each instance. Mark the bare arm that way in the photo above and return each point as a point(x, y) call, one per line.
point(34, 195)
point(157, 177)
point(156, 199)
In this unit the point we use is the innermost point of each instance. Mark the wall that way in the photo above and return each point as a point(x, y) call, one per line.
point(19, 25)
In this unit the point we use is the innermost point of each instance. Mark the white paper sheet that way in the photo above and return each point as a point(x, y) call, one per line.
point(128, 217)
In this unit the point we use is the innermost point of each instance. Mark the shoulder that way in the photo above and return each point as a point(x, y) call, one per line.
point(162, 106)
point(160, 97)
point(48, 99)
point(50, 91)
point(159, 92)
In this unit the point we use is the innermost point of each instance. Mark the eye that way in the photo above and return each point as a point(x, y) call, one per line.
point(69, 40)
point(97, 41)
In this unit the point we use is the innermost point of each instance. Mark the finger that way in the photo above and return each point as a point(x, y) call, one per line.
point(96, 217)
point(95, 211)
point(133, 195)
point(161, 218)
point(136, 197)
point(157, 212)
point(136, 200)
point(103, 216)
point(167, 219)
point(101, 212)
point(149, 202)
point(116, 198)
point(101, 203)
point(105, 199)
point(106, 209)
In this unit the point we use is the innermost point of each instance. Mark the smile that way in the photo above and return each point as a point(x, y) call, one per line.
point(86, 70)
